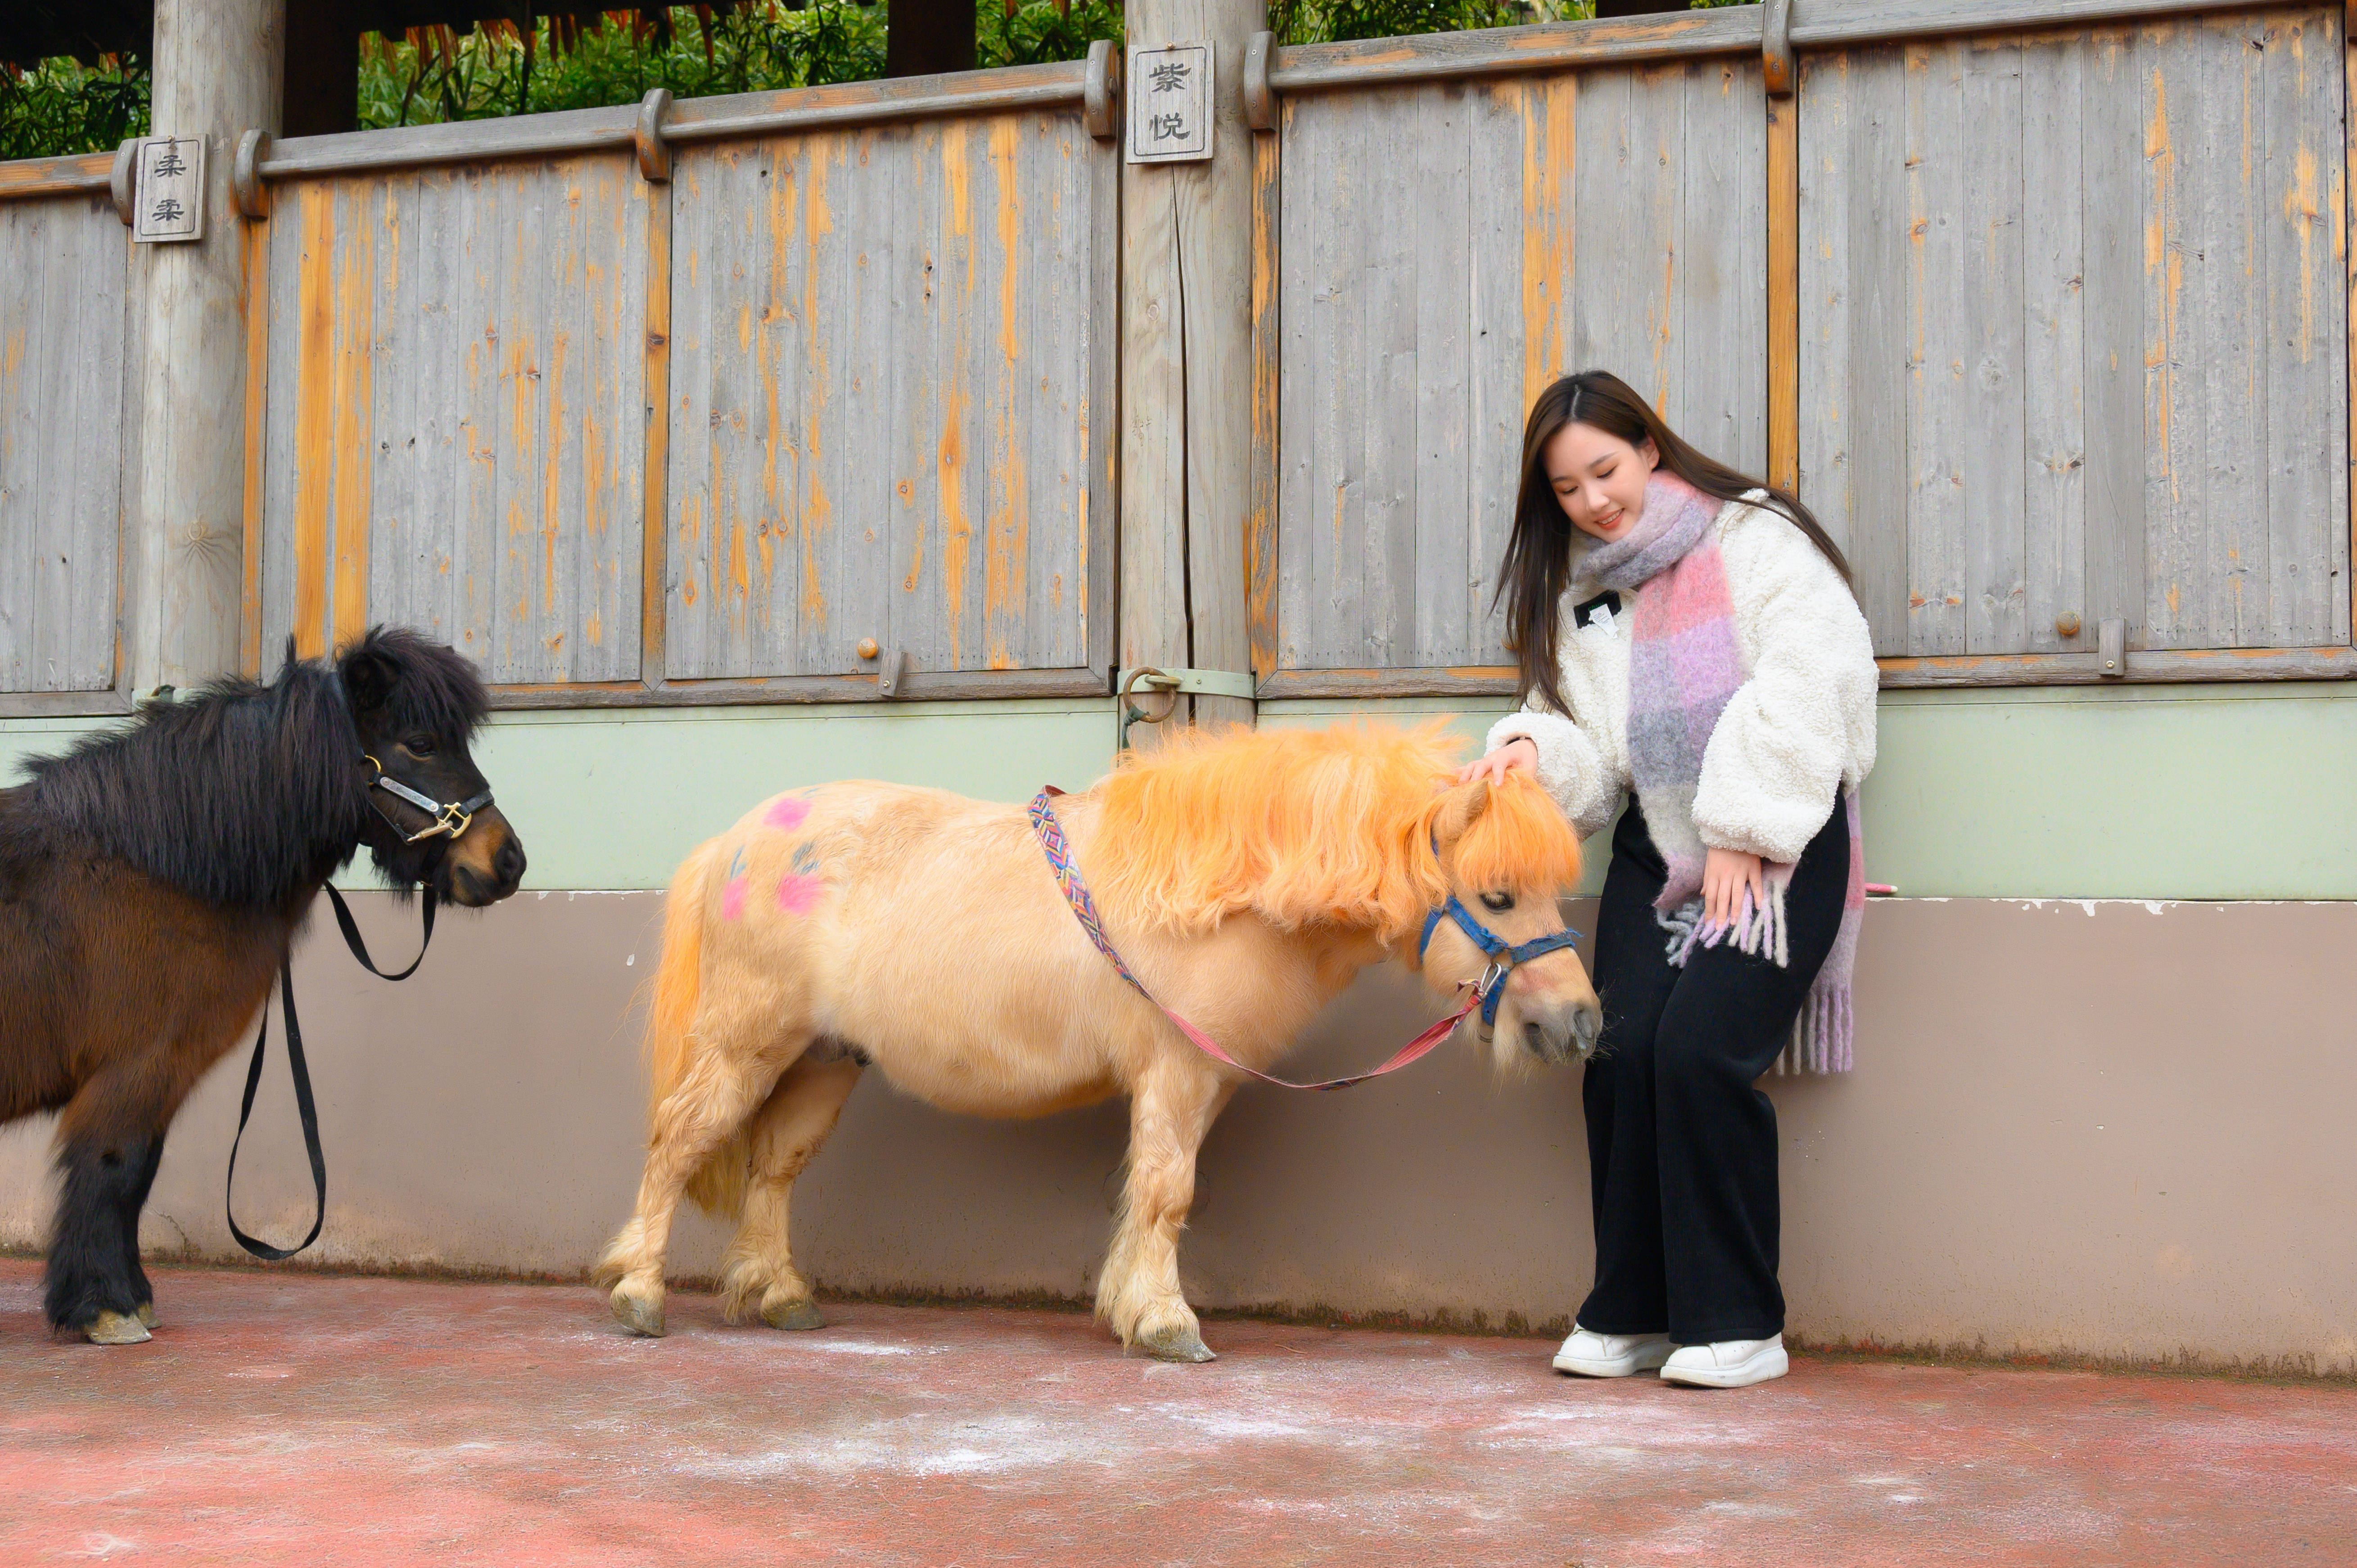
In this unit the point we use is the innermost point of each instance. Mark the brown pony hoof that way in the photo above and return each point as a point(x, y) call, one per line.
point(115, 1328)
point(803, 1313)
point(147, 1313)
point(1175, 1344)
point(639, 1316)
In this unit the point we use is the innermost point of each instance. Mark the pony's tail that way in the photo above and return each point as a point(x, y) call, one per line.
point(718, 1184)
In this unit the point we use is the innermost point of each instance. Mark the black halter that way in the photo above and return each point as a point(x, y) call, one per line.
point(450, 820)
point(1502, 955)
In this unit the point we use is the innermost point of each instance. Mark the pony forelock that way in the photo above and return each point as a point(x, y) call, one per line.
point(1522, 840)
point(1307, 828)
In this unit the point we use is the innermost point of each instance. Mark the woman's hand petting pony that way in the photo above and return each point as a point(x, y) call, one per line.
point(1520, 753)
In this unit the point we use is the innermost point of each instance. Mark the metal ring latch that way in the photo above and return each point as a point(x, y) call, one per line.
point(1156, 680)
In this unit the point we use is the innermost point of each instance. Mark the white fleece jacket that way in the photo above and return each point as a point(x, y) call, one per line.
point(1800, 727)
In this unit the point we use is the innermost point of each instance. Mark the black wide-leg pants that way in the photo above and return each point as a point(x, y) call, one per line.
point(1681, 1145)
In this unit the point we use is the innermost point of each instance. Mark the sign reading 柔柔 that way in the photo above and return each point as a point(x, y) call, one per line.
point(169, 193)
point(1170, 104)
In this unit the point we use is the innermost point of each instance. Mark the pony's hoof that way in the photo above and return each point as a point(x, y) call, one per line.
point(639, 1316)
point(803, 1313)
point(115, 1328)
point(147, 1313)
point(1178, 1343)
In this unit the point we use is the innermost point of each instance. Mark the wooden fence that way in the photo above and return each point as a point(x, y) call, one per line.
point(2044, 308)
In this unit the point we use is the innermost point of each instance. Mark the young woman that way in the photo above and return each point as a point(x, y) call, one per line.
point(1689, 634)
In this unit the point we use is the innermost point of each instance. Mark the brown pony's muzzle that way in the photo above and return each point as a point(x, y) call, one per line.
point(485, 865)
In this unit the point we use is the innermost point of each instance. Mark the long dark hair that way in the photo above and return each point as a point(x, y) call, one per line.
point(1538, 557)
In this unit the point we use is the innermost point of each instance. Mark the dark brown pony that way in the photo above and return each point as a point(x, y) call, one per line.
point(152, 880)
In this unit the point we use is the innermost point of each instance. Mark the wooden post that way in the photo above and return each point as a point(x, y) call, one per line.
point(1186, 373)
point(1781, 78)
point(216, 75)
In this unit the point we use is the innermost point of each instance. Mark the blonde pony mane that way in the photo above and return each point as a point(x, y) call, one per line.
point(1302, 828)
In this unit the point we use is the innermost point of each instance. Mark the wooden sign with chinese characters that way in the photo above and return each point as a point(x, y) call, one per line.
point(170, 194)
point(1170, 104)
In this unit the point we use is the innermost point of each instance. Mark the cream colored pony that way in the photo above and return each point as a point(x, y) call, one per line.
point(1245, 878)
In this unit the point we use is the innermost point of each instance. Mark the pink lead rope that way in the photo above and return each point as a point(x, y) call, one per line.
point(1084, 909)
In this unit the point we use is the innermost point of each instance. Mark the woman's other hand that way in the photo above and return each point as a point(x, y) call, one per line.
point(1521, 753)
point(1726, 873)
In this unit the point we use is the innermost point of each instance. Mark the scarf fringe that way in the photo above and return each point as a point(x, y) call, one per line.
point(1824, 1034)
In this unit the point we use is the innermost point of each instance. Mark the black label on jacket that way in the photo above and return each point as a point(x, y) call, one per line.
point(1584, 615)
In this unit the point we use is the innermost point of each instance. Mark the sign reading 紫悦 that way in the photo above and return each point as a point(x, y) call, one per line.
point(168, 191)
point(1170, 104)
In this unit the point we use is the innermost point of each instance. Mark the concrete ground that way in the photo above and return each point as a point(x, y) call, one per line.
point(284, 1417)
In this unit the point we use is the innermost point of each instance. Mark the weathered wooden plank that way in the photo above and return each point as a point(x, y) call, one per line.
point(2345, 538)
point(2112, 234)
point(397, 365)
point(254, 240)
point(1783, 304)
point(2296, 205)
point(1386, 550)
point(1336, 521)
point(1880, 344)
point(653, 420)
point(30, 365)
point(349, 469)
point(1268, 357)
point(2222, 583)
point(1605, 282)
point(1554, 167)
point(2053, 367)
point(1302, 322)
point(1499, 407)
point(1101, 536)
point(1937, 408)
point(1990, 330)
point(1825, 295)
point(914, 429)
point(1442, 632)
point(2176, 428)
point(483, 240)
point(1003, 440)
point(971, 95)
point(962, 454)
point(1721, 386)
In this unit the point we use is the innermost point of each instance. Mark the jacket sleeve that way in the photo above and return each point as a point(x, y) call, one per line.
point(1776, 758)
point(1570, 767)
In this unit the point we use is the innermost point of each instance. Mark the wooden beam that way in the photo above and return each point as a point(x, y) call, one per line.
point(23, 178)
point(1852, 23)
point(2189, 666)
point(215, 75)
point(1504, 51)
point(1188, 380)
point(916, 686)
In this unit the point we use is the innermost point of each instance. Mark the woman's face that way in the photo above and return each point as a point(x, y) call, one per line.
point(1599, 478)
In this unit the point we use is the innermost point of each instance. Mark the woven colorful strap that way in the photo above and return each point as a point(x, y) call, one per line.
point(1058, 851)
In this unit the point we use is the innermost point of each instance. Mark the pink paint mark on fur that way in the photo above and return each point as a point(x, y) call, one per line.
point(787, 814)
point(800, 895)
point(732, 900)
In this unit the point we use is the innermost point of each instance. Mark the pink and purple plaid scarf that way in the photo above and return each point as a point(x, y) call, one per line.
point(1684, 666)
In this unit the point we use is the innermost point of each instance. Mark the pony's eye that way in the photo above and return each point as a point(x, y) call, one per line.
point(1497, 902)
point(419, 745)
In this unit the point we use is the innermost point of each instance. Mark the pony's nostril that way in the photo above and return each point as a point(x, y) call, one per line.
point(1587, 1023)
point(508, 865)
point(1534, 1037)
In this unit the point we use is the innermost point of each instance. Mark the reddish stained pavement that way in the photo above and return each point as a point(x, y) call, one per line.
point(284, 1417)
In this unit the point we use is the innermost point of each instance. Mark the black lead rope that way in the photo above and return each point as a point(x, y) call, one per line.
point(304, 1107)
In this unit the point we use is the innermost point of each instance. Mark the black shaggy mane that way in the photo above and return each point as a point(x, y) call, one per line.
point(246, 794)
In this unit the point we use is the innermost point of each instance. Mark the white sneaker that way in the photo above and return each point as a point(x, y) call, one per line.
point(1729, 1364)
point(1594, 1354)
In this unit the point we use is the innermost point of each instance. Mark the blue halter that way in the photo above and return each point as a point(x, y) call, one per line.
point(1502, 955)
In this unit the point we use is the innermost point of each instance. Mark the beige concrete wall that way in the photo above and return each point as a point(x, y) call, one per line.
point(2109, 1129)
